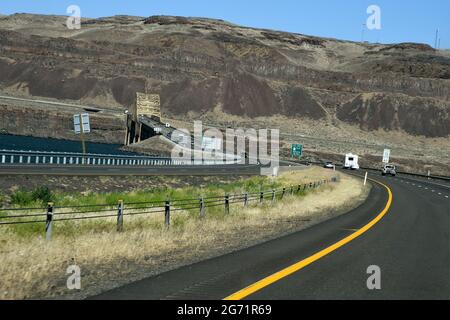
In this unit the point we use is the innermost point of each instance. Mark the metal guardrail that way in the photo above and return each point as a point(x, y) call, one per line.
point(436, 177)
point(13, 157)
point(51, 214)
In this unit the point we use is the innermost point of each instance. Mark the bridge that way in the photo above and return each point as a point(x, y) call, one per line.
point(144, 119)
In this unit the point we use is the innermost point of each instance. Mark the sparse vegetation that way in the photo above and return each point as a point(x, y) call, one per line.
point(42, 194)
point(32, 267)
point(21, 198)
point(38, 197)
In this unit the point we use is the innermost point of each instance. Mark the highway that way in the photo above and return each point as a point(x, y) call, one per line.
point(100, 170)
point(403, 228)
point(62, 105)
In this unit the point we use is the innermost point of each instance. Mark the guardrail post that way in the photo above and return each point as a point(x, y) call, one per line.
point(120, 216)
point(3, 158)
point(292, 190)
point(261, 197)
point(245, 199)
point(310, 185)
point(273, 195)
point(167, 213)
point(227, 204)
point(49, 222)
point(283, 193)
point(298, 188)
point(202, 208)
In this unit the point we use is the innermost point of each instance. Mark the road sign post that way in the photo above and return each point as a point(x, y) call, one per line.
point(81, 125)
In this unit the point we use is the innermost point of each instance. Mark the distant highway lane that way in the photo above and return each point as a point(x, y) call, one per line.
point(408, 239)
point(72, 170)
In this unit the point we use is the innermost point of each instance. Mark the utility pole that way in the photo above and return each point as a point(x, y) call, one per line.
point(362, 32)
point(436, 39)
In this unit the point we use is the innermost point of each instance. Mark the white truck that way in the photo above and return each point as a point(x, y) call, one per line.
point(351, 161)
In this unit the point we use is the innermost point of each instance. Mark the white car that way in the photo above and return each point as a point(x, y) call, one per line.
point(329, 165)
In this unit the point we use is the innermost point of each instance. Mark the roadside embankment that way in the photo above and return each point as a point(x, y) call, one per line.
point(51, 122)
point(34, 268)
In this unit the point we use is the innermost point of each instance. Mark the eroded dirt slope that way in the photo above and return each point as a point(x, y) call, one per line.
point(200, 66)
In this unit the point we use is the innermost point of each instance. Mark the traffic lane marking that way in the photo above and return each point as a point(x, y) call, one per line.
point(257, 286)
point(426, 188)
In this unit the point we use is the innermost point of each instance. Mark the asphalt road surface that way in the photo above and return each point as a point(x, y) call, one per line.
point(73, 170)
point(409, 241)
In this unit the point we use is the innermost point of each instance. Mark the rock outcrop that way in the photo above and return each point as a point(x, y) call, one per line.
point(198, 65)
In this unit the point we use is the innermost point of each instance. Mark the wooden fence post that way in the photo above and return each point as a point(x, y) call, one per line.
point(227, 204)
point(202, 208)
point(49, 222)
point(120, 216)
point(167, 213)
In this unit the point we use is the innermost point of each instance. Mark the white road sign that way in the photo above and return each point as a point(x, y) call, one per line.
point(85, 123)
point(386, 155)
point(210, 144)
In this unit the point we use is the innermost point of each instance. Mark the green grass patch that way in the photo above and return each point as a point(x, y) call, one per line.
point(40, 196)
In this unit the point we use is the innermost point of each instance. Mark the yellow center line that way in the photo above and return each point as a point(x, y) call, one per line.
point(257, 286)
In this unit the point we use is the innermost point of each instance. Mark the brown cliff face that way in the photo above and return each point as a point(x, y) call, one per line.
point(198, 65)
point(427, 117)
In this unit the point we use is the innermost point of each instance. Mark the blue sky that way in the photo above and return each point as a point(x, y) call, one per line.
point(401, 20)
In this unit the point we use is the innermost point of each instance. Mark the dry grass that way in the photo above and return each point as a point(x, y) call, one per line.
point(32, 268)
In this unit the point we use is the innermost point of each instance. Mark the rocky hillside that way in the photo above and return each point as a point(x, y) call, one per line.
point(202, 66)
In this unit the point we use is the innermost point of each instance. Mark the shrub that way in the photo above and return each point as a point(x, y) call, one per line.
point(21, 198)
point(42, 194)
point(2, 199)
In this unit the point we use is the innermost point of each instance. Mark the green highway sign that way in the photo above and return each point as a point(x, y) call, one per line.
point(296, 150)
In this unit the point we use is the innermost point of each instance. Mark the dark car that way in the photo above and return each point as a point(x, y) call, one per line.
point(388, 169)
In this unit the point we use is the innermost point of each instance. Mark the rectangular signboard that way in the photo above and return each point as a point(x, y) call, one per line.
point(210, 144)
point(386, 155)
point(85, 122)
point(296, 150)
